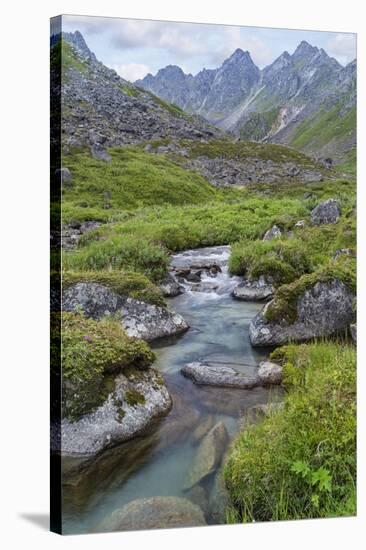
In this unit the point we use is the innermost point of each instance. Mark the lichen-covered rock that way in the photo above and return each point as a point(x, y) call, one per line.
point(138, 398)
point(139, 319)
point(208, 456)
point(273, 233)
point(254, 291)
point(322, 310)
point(269, 373)
point(154, 513)
point(99, 153)
point(223, 376)
point(353, 329)
point(326, 212)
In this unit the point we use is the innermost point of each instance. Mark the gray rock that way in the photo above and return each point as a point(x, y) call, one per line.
point(170, 286)
point(326, 212)
point(65, 176)
point(269, 373)
point(139, 319)
point(118, 418)
point(148, 148)
point(323, 310)
point(273, 233)
point(353, 329)
point(98, 152)
point(208, 456)
point(89, 226)
point(202, 428)
point(198, 496)
point(223, 376)
point(154, 513)
point(254, 291)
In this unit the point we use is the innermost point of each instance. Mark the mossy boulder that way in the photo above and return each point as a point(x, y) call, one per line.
point(90, 352)
point(316, 308)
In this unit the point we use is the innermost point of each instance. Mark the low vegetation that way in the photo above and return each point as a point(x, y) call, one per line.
point(90, 351)
point(300, 462)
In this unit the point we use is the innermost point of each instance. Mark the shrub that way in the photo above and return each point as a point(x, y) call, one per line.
point(300, 462)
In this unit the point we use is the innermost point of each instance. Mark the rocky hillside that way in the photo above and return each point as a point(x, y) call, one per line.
point(100, 107)
point(287, 102)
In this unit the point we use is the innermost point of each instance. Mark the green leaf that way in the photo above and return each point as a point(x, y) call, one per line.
point(323, 478)
point(300, 468)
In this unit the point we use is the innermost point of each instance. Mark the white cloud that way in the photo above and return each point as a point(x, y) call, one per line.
point(343, 47)
point(231, 38)
point(131, 71)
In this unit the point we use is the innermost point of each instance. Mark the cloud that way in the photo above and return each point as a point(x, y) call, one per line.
point(232, 38)
point(131, 71)
point(343, 47)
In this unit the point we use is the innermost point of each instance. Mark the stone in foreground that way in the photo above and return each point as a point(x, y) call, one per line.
point(326, 212)
point(223, 376)
point(154, 513)
point(208, 456)
point(170, 286)
point(139, 319)
point(137, 401)
point(322, 310)
point(254, 291)
point(269, 373)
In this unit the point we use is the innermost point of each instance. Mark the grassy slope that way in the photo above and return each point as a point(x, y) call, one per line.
point(301, 461)
point(133, 179)
point(324, 127)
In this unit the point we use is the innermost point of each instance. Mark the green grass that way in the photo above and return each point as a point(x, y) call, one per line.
point(133, 179)
point(300, 462)
point(143, 241)
point(90, 351)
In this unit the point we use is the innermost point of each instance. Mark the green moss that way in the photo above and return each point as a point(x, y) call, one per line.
point(134, 398)
point(91, 350)
point(300, 462)
point(127, 283)
point(129, 90)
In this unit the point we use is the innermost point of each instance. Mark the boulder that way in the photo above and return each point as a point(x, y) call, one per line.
point(273, 233)
point(99, 153)
point(322, 310)
point(154, 513)
point(326, 212)
point(343, 252)
point(269, 373)
point(137, 400)
point(254, 291)
point(198, 496)
point(89, 226)
point(139, 319)
point(208, 456)
point(170, 286)
point(223, 376)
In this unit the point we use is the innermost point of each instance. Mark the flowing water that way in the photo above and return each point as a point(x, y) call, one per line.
point(158, 463)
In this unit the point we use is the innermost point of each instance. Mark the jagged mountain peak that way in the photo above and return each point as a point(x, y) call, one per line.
point(77, 40)
point(239, 56)
point(304, 49)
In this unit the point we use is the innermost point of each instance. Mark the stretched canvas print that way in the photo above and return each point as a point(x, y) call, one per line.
point(203, 274)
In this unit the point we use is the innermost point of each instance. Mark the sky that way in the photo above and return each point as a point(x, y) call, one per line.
point(135, 47)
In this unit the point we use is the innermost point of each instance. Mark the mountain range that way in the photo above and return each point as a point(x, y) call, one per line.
point(306, 100)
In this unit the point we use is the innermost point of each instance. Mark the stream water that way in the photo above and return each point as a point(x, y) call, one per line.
point(158, 463)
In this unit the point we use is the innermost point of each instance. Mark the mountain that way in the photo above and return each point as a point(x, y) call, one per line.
point(100, 107)
point(286, 102)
